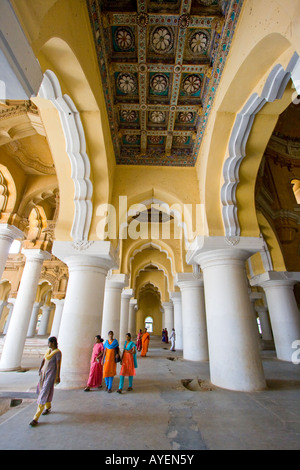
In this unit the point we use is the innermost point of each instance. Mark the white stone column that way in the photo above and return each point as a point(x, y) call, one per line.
point(195, 347)
point(284, 315)
point(132, 318)
point(176, 299)
point(112, 304)
point(43, 327)
point(8, 233)
point(169, 316)
point(234, 351)
point(88, 265)
point(33, 319)
point(18, 327)
point(59, 303)
point(265, 324)
point(253, 297)
point(124, 314)
point(3, 304)
point(10, 304)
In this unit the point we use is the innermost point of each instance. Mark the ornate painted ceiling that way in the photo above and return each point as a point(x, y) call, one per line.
point(160, 63)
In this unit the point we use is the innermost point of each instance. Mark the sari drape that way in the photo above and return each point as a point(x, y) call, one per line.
point(110, 366)
point(129, 361)
point(139, 342)
point(145, 344)
point(48, 376)
point(96, 369)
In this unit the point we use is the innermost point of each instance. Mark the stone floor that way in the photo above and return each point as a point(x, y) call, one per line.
point(172, 407)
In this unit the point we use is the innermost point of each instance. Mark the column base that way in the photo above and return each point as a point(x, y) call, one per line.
point(13, 369)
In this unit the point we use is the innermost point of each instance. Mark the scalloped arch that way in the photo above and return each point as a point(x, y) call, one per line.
point(273, 90)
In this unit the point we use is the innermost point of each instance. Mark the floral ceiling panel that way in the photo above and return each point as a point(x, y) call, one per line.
point(160, 63)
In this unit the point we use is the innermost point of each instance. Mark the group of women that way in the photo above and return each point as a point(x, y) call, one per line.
point(103, 365)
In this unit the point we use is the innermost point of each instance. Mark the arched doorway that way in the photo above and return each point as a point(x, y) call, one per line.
point(149, 324)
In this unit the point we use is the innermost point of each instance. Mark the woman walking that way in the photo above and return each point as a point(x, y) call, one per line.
point(96, 369)
point(145, 343)
point(49, 376)
point(173, 338)
point(129, 363)
point(139, 341)
point(111, 347)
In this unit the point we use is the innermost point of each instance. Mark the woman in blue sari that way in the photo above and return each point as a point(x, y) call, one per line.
point(129, 363)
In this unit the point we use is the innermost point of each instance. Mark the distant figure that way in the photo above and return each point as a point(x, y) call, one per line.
point(129, 363)
point(163, 336)
point(49, 376)
point(173, 338)
point(96, 369)
point(145, 343)
point(111, 347)
point(139, 341)
point(167, 336)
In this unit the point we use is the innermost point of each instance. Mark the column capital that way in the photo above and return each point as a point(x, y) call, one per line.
point(86, 255)
point(36, 255)
point(133, 302)
point(58, 301)
point(275, 279)
point(10, 232)
point(116, 281)
point(167, 305)
point(185, 280)
point(211, 251)
point(127, 293)
point(255, 296)
point(261, 308)
point(175, 297)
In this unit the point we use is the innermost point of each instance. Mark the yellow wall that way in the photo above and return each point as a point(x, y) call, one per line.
point(149, 306)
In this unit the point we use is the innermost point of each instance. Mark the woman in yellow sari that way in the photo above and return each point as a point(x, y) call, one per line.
point(49, 376)
point(145, 343)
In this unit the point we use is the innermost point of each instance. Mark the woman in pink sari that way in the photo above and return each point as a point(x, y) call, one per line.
point(96, 370)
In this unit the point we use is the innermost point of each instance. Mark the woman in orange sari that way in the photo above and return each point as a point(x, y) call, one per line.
point(129, 363)
point(145, 343)
point(111, 346)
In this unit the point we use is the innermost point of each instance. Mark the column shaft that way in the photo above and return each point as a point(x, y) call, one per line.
point(194, 330)
point(33, 319)
point(169, 316)
point(112, 305)
point(8, 233)
point(234, 353)
point(57, 316)
point(284, 316)
point(18, 327)
point(132, 317)
point(176, 299)
point(88, 265)
point(124, 314)
point(43, 328)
